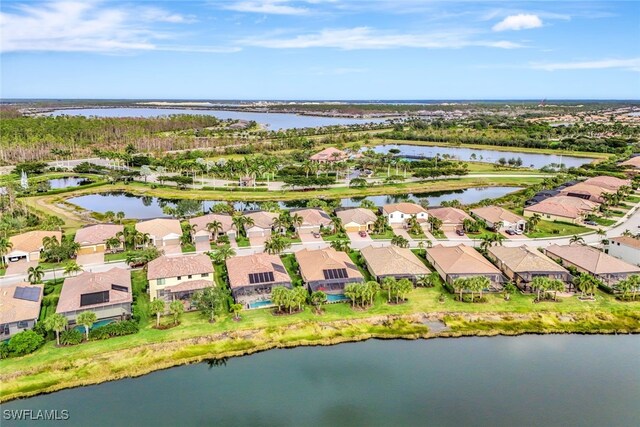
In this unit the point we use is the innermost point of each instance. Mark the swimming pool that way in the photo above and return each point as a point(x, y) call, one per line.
point(260, 304)
point(336, 298)
point(98, 324)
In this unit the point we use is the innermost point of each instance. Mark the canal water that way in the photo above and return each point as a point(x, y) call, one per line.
point(140, 207)
point(273, 121)
point(553, 380)
point(532, 160)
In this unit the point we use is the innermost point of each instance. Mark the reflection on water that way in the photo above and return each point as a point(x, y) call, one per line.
point(141, 207)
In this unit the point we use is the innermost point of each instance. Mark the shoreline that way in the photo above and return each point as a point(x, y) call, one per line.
point(239, 343)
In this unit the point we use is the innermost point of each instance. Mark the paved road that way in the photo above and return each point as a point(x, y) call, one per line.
point(51, 274)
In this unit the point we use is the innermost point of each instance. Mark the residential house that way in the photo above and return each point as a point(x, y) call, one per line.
point(452, 218)
point(202, 234)
point(392, 261)
point(92, 238)
point(586, 259)
point(19, 308)
point(586, 191)
point(162, 231)
point(330, 154)
point(496, 215)
point(179, 277)
point(262, 223)
point(453, 262)
point(399, 213)
point(252, 277)
point(313, 220)
point(608, 182)
point(562, 208)
point(327, 270)
point(626, 248)
point(107, 294)
point(28, 246)
point(522, 264)
point(356, 219)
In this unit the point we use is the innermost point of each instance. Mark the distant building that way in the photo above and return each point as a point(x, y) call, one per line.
point(399, 213)
point(92, 238)
point(562, 208)
point(586, 191)
point(19, 308)
point(392, 261)
point(327, 270)
point(586, 259)
point(201, 233)
point(626, 248)
point(608, 182)
point(313, 220)
point(454, 262)
point(452, 218)
point(262, 223)
point(329, 154)
point(356, 219)
point(162, 231)
point(522, 264)
point(493, 215)
point(107, 294)
point(633, 162)
point(252, 278)
point(178, 278)
point(28, 246)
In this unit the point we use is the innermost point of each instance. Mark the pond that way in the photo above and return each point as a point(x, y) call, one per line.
point(273, 121)
point(533, 160)
point(144, 207)
point(67, 182)
point(552, 380)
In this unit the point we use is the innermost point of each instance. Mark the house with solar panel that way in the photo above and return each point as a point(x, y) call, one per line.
point(107, 294)
point(327, 270)
point(19, 308)
point(252, 277)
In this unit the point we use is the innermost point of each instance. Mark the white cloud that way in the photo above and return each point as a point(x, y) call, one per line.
point(271, 7)
point(520, 21)
point(632, 64)
point(86, 26)
point(367, 38)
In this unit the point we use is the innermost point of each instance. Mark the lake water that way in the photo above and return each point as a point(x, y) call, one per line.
point(151, 207)
point(535, 161)
point(553, 380)
point(274, 121)
point(67, 182)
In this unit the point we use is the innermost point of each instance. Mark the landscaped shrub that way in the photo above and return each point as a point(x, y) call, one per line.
point(25, 342)
point(41, 330)
point(115, 329)
point(4, 350)
point(71, 337)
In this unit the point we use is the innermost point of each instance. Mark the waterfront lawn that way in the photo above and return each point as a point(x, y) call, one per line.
point(557, 229)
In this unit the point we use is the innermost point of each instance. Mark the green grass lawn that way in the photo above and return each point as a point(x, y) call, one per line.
point(219, 275)
point(242, 242)
point(438, 234)
point(2, 271)
point(188, 248)
point(359, 262)
point(556, 229)
point(633, 199)
point(387, 235)
point(603, 221)
point(335, 236)
point(119, 256)
point(139, 285)
point(290, 263)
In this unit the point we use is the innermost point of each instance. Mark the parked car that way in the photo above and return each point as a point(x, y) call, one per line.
point(519, 232)
point(362, 233)
point(316, 234)
point(510, 232)
point(591, 222)
point(460, 232)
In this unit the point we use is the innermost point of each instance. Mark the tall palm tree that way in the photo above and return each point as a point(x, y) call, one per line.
point(72, 267)
point(57, 323)
point(5, 247)
point(214, 227)
point(35, 274)
point(576, 239)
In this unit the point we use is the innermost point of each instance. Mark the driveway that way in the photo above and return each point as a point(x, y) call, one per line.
point(451, 235)
point(203, 246)
point(308, 238)
point(87, 259)
point(258, 240)
point(172, 249)
point(514, 237)
point(399, 231)
point(355, 237)
point(19, 267)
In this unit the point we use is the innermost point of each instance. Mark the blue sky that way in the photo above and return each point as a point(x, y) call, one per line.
point(319, 49)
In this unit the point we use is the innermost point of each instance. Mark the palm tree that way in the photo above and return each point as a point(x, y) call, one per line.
point(35, 274)
point(86, 319)
point(5, 247)
point(317, 299)
point(236, 309)
point(214, 227)
point(120, 216)
point(576, 239)
point(340, 245)
point(399, 241)
point(157, 307)
point(276, 244)
point(296, 221)
point(533, 221)
point(176, 309)
point(112, 243)
point(57, 323)
point(220, 255)
point(71, 267)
